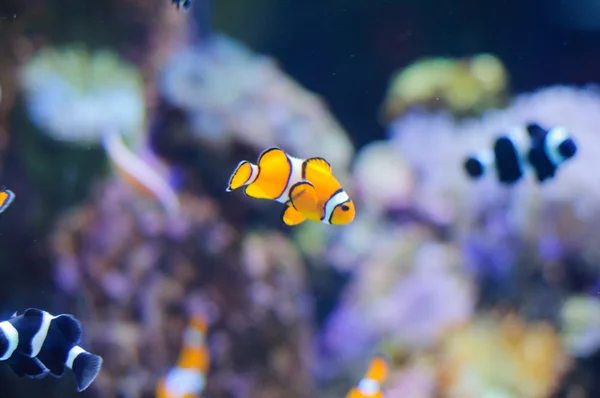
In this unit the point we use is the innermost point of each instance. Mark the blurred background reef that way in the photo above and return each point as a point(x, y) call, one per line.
point(121, 121)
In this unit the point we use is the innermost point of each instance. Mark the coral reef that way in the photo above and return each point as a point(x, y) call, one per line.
point(228, 92)
point(138, 275)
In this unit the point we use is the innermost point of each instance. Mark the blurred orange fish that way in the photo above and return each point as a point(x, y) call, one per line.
point(306, 187)
point(6, 198)
point(370, 385)
point(188, 378)
point(137, 173)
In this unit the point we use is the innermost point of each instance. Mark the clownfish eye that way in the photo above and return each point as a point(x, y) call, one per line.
point(345, 208)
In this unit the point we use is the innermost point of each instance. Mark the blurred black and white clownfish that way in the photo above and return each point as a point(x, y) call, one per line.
point(549, 149)
point(6, 198)
point(523, 148)
point(370, 385)
point(505, 159)
point(306, 187)
point(185, 4)
point(36, 344)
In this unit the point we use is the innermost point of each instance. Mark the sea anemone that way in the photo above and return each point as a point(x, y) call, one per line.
point(507, 358)
point(76, 96)
point(464, 86)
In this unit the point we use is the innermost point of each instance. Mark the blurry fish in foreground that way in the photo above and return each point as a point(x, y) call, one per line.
point(139, 174)
point(305, 186)
point(188, 378)
point(522, 148)
point(6, 198)
point(36, 344)
point(185, 4)
point(370, 385)
point(463, 86)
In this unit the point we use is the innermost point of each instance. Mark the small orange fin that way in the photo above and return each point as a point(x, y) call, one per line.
point(290, 216)
point(6, 198)
point(240, 176)
point(304, 198)
point(379, 368)
point(274, 170)
point(319, 164)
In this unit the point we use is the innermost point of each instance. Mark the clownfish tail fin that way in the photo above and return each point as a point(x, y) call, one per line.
point(85, 366)
point(244, 174)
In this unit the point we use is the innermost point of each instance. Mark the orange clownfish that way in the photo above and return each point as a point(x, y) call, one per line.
point(306, 187)
point(6, 198)
point(370, 385)
point(188, 378)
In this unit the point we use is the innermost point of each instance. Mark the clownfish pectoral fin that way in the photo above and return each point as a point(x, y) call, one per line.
point(244, 174)
point(316, 163)
point(6, 198)
point(304, 198)
point(290, 216)
point(32, 368)
point(379, 369)
point(274, 171)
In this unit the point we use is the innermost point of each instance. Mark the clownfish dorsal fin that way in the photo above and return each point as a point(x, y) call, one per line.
point(316, 163)
point(535, 130)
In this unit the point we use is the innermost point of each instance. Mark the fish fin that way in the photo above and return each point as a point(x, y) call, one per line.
point(69, 327)
point(86, 367)
point(6, 198)
point(304, 198)
point(274, 171)
point(290, 216)
point(535, 130)
point(378, 368)
point(242, 175)
point(54, 359)
point(317, 164)
point(32, 368)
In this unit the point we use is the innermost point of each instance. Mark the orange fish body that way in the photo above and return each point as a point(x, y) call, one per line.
point(306, 187)
point(370, 385)
point(188, 378)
